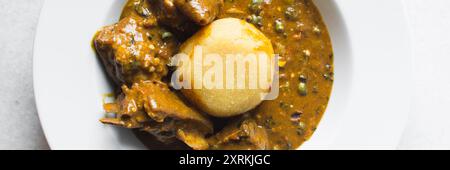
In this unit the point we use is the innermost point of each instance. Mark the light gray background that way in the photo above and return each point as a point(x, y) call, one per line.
point(429, 122)
point(19, 123)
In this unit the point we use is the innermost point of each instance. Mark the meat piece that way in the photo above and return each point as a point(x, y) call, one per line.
point(201, 12)
point(241, 134)
point(131, 51)
point(170, 16)
point(193, 138)
point(166, 116)
point(186, 16)
point(127, 114)
point(159, 103)
point(139, 8)
point(167, 12)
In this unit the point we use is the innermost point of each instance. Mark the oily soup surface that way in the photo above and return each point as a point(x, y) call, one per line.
point(300, 37)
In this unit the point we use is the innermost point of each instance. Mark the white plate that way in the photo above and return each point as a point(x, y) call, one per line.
point(369, 104)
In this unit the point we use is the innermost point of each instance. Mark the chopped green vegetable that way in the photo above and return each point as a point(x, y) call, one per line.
point(291, 13)
point(166, 35)
point(302, 90)
point(257, 1)
point(279, 26)
point(256, 6)
point(303, 78)
point(301, 128)
point(302, 125)
point(255, 20)
point(329, 76)
point(149, 36)
point(285, 106)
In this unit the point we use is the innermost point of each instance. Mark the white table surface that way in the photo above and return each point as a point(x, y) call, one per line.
point(429, 122)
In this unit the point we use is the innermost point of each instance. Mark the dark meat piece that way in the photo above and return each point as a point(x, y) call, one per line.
point(150, 106)
point(167, 12)
point(243, 133)
point(168, 15)
point(201, 12)
point(186, 16)
point(132, 51)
